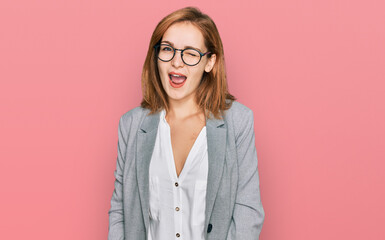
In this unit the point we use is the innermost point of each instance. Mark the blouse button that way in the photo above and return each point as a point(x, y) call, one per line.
point(177, 209)
point(176, 184)
point(177, 235)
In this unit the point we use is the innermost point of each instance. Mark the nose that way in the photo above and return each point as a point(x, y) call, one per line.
point(177, 60)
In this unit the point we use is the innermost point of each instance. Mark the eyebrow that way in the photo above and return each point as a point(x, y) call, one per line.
point(184, 46)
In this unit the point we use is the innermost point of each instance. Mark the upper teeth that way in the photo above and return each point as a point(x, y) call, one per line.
point(175, 75)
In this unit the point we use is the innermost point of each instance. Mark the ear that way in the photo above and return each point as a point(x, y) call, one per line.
point(210, 63)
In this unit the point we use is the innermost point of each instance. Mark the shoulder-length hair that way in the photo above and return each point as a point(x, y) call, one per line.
point(212, 93)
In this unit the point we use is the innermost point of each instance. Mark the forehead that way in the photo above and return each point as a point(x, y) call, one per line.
point(184, 34)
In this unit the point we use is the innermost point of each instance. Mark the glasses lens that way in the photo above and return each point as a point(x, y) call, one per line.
point(165, 52)
point(191, 56)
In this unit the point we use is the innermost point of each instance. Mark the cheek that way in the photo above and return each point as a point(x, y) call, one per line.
point(162, 72)
point(161, 67)
point(197, 75)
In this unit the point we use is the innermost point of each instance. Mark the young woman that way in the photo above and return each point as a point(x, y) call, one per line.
point(187, 162)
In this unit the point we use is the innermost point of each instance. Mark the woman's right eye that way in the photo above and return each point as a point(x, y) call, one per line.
point(166, 49)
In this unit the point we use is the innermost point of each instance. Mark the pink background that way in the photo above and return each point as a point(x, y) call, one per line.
point(312, 71)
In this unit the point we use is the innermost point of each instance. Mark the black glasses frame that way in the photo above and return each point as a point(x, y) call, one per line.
point(181, 52)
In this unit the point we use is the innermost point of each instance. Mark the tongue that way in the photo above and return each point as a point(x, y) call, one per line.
point(178, 79)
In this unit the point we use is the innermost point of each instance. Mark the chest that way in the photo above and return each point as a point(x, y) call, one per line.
point(182, 140)
point(180, 146)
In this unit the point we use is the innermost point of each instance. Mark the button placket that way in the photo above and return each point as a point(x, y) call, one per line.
point(177, 210)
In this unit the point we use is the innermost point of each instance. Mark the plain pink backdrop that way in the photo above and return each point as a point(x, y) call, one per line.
point(312, 71)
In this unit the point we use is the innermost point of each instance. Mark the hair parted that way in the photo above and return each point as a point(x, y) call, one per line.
point(212, 93)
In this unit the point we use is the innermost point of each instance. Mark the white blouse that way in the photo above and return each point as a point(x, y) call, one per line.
point(177, 204)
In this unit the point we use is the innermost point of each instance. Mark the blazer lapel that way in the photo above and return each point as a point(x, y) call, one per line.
point(145, 146)
point(216, 148)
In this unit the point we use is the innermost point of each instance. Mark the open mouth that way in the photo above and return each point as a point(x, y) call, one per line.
point(177, 80)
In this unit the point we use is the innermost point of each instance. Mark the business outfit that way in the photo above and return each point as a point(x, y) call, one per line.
point(177, 203)
point(233, 205)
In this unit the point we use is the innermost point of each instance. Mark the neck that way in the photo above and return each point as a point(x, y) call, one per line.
point(184, 108)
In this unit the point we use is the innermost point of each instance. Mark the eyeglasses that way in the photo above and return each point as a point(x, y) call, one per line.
point(190, 56)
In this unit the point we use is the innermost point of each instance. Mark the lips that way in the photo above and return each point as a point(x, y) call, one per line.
point(177, 79)
point(176, 73)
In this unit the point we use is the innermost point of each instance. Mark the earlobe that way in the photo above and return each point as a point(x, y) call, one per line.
point(209, 70)
point(211, 63)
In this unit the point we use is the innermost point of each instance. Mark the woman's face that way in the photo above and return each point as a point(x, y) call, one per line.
point(180, 35)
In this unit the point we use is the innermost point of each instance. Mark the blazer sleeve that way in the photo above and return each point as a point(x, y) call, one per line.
point(116, 214)
point(248, 215)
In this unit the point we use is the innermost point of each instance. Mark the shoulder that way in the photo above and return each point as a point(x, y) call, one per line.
point(132, 117)
point(133, 113)
point(239, 109)
point(239, 113)
point(240, 117)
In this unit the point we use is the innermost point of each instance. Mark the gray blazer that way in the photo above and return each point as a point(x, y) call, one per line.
point(233, 204)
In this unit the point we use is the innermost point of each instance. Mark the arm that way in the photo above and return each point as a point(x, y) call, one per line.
point(248, 215)
point(116, 214)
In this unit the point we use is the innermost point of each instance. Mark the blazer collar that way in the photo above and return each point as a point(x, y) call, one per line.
point(216, 146)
